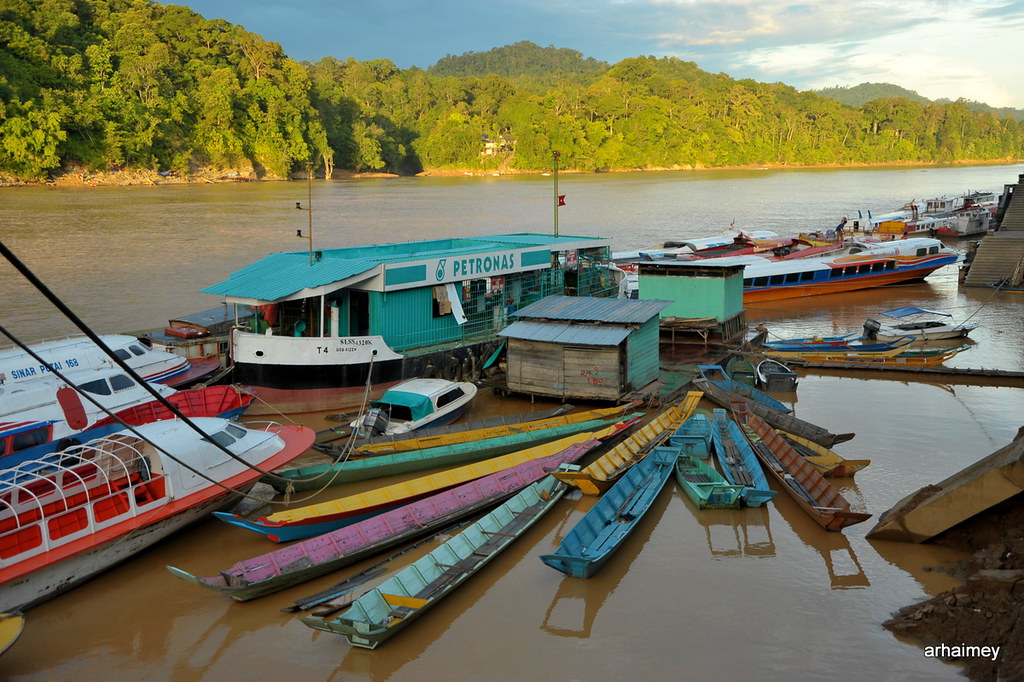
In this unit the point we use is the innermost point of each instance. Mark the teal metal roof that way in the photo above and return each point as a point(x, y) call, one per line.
point(283, 274)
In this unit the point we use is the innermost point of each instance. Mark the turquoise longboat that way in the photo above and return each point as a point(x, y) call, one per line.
point(739, 464)
point(693, 437)
point(704, 485)
point(379, 466)
point(601, 531)
point(389, 608)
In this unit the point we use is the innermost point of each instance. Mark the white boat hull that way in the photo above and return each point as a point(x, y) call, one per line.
point(55, 579)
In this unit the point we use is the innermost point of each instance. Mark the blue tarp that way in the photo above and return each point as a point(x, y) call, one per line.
point(911, 310)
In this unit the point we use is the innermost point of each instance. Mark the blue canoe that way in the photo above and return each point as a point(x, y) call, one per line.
point(737, 460)
point(715, 375)
point(593, 540)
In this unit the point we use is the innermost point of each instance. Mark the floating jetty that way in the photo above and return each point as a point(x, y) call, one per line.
point(937, 508)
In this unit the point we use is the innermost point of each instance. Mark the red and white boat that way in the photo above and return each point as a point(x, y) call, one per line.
point(79, 352)
point(41, 416)
point(78, 512)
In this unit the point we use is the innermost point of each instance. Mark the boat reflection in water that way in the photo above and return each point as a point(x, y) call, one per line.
point(738, 532)
point(844, 568)
point(579, 601)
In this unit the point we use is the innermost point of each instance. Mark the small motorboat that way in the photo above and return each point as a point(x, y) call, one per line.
point(415, 404)
point(918, 323)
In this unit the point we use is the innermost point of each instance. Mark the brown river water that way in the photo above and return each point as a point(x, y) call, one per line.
point(753, 593)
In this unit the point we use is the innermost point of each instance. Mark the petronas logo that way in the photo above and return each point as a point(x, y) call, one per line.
point(439, 273)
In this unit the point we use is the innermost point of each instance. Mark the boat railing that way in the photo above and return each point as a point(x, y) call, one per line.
point(52, 533)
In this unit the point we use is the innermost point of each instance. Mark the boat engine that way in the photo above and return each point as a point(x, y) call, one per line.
point(374, 423)
point(871, 328)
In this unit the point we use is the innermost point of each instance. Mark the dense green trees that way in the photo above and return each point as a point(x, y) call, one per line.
point(125, 82)
point(102, 83)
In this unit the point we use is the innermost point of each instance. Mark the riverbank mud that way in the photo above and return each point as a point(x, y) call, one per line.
point(987, 610)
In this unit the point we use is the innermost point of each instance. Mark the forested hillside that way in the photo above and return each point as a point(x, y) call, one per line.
point(126, 83)
point(858, 95)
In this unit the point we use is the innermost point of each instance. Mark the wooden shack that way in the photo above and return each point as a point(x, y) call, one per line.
point(583, 347)
point(706, 300)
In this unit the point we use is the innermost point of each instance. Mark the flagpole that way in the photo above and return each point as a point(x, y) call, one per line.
point(555, 155)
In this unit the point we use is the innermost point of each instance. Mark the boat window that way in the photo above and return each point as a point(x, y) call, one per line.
point(748, 282)
point(121, 382)
point(933, 249)
point(807, 276)
point(450, 397)
point(890, 265)
point(99, 387)
point(760, 281)
point(222, 438)
point(864, 269)
point(136, 349)
point(29, 439)
point(236, 430)
point(878, 267)
point(850, 271)
point(775, 279)
point(836, 273)
point(792, 277)
point(922, 252)
point(122, 354)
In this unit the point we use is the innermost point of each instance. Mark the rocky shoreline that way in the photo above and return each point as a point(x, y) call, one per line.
point(987, 610)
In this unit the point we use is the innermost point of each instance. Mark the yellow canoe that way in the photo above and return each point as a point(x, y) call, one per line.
point(440, 440)
point(603, 472)
point(381, 498)
point(828, 462)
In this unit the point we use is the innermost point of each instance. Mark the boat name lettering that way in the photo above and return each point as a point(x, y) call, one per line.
point(26, 372)
point(483, 265)
point(355, 342)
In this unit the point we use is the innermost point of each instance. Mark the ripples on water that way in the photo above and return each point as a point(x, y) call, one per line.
point(726, 594)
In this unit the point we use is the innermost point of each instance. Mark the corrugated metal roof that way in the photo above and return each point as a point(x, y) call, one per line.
point(283, 274)
point(591, 309)
point(571, 334)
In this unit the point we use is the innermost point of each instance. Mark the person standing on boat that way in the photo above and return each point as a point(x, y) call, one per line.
point(839, 229)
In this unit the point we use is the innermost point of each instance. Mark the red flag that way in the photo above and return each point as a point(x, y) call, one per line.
point(561, 200)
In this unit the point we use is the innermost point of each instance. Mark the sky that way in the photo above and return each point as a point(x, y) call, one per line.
point(971, 49)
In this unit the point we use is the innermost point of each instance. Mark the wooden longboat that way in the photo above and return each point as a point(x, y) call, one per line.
point(715, 375)
point(593, 540)
point(392, 606)
point(828, 462)
point(693, 437)
point(908, 358)
point(737, 460)
point(705, 487)
point(378, 466)
point(316, 519)
point(741, 369)
point(798, 477)
point(467, 432)
point(601, 474)
point(776, 418)
point(839, 354)
point(316, 556)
